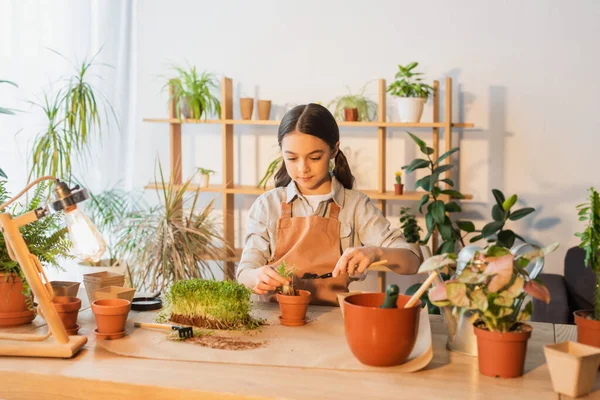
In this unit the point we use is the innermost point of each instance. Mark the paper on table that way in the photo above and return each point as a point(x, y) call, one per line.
point(319, 344)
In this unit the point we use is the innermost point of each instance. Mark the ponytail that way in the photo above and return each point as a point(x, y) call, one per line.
point(282, 178)
point(342, 172)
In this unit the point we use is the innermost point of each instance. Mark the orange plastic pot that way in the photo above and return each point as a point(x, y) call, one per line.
point(380, 337)
point(13, 303)
point(351, 114)
point(293, 308)
point(111, 314)
point(588, 330)
point(502, 354)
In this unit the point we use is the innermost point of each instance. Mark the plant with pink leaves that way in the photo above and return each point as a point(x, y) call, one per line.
point(493, 285)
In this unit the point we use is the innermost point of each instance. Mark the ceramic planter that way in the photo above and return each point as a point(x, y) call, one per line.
point(98, 280)
point(502, 354)
point(246, 107)
point(114, 292)
point(342, 296)
point(264, 109)
point(573, 367)
point(13, 305)
point(293, 308)
point(68, 310)
point(380, 337)
point(398, 188)
point(351, 114)
point(410, 109)
point(111, 315)
point(204, 179)
point(65, 288)
point(588, 330)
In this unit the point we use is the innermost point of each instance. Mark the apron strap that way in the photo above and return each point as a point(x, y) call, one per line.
point(286, 208)
point(334, 210)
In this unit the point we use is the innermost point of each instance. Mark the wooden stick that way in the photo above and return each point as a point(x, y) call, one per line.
point(378, 263)
point(147, 325)
point(413, 300)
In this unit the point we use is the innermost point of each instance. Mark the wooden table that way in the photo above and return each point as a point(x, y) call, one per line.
point(97, 373)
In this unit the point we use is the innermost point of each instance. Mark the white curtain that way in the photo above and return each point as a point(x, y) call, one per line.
point(77, 29)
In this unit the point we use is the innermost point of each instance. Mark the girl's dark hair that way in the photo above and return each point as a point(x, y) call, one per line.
point(316, 120)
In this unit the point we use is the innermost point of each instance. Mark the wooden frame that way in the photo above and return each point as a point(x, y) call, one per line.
point(228, 189)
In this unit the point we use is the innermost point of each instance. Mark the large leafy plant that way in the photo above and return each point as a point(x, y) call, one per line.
point(438, 216)
point(192, 92)
point(367, 109)
point(409, 83)
point(169, 243)
point(590, 241)
point(493, 285)
point(409, 225)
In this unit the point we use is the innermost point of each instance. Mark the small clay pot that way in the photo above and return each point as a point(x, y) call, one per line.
point(68, 309)
point(398, 188)
point(293, 308)
point(351, 114)
point(264, 109)
point(111, 314)
point(502, 354)
point(13, 303)
point(246, 107)
point(588, 330)
point(380, 337)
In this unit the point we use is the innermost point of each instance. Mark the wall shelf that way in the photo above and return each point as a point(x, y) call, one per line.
point(228, 190)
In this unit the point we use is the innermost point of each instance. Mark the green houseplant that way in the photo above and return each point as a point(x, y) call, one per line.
point(205, 176)
point(398, 186)
point(209, 304)
point(410, 91)
point(168, 243)
point(493, 285)
point(293, 303)
point(354, 107)
point(588, 322)
point(46, 239)
point(192, 92)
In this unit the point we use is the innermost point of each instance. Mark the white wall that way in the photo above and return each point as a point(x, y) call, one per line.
point(525, 73)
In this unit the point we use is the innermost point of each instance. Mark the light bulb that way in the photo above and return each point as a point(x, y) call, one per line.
point(88, 244)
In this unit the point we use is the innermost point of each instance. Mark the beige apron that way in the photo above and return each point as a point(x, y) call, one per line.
point(312, 244)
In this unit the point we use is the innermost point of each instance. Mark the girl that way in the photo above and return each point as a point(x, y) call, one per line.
point(314, 220)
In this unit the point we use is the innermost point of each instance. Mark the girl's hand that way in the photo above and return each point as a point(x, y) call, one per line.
point(356, 260)
point(268, 280)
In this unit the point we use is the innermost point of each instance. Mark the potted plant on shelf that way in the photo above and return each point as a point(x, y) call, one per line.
point(292, 303)
point(354, 107)
point(410, 91)
point(493, 285)
point(205, 176)
point(209, 304)
point(169, 242)
point(398, 186)
point(46, 239)
point(192, 92)
point(588, 321)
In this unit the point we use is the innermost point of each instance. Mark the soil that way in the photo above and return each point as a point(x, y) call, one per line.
point(518, 327)
point(224, 343)
point(206, 323)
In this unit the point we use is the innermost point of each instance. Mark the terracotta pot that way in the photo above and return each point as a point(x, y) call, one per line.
point(264, 109)
point(246, 107)
point(351, 114)
point(111, 315)
point(13, 305)
point(398, 188)
point(573, 367)
point(68, 309)
point(380, 337)
point(588, 330)
point(502, 354)
point(293, 308)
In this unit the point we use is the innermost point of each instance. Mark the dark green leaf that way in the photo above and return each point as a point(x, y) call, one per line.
point(446, 229)
point(453, 193)
point(2, 174)
point(499, 197)
point(498, 213)
point(417, 164)
point(443, 168)
point(476, 238)
point(429, 222)
point(447, 247)
point(423, 201)
point(448, 181)
point(523, 212)
point(491, 228)
point(423, 183)
point(506, 238)
point(453, 207)
point(445, 155)
point(438, 211)
point(466, 226)
point(418, 141)
point(427, 150)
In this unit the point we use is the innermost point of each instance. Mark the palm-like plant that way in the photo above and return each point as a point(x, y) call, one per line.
point(167, 243)
point(192, 92)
